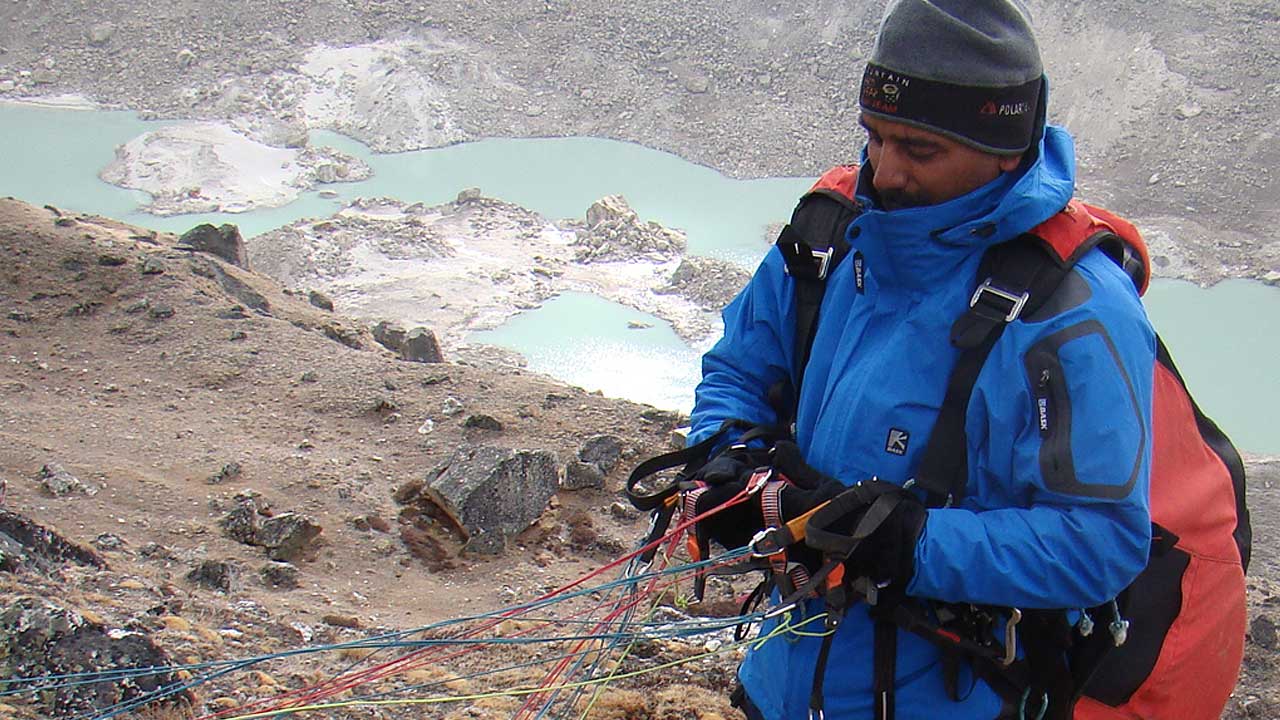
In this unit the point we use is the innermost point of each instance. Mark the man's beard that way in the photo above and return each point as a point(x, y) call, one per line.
point(899, 200)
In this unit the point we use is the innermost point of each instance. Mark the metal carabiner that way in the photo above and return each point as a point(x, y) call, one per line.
point(758, 480)
point(767, 535)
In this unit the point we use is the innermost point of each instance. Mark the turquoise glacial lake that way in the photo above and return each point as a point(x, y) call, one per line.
point(1225, 339)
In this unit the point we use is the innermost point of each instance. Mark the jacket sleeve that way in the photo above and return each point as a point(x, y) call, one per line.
point(754, 353)
point(1065, 457)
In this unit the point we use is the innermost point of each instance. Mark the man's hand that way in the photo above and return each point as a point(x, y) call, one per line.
point(874, 527)
point(800, 489)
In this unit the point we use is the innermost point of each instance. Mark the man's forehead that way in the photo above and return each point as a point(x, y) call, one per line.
point(903, 131)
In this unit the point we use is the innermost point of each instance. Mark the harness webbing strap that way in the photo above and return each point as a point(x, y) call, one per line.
point(812, 246)
point(1020, 276)
point(885, 659)
point(816, 701)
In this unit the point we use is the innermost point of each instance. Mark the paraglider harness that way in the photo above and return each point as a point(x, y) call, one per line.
point(1061, 651)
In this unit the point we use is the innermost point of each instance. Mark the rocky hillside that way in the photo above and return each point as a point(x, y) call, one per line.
point(192, 454)
point(198, 466)
point(1176, 129)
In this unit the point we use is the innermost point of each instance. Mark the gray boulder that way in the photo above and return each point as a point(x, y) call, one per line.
point(320, 300)
point(582, 476)
point(491, 493)
point(27, 545)
point(224, 242)
point(55, 481)
point(709, 282)
point(216, 575)
point(41, 637)
point(389, 335)
point(613, 232)
point(280, 575)
point(604, 451)
point(420, 345)
point(287, 536)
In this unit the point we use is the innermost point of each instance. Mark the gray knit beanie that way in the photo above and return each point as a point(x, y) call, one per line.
point(969, 69)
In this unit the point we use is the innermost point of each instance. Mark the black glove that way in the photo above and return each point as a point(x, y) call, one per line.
point(873, 527)
point(734, 526)
point(734, 463)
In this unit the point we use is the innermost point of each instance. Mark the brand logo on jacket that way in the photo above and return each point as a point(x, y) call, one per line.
point(859, 272)
point(1043, 405)
point(897, 442)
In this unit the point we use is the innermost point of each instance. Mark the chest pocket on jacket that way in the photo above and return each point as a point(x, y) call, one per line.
point(1086, 411)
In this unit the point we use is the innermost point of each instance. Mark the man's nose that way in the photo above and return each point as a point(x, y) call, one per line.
point(891, 172)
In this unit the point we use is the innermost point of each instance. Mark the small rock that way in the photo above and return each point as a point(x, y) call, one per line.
point(582, 476)
point(155, 550)
point(452, 406)
point(153, 266)
point(230, 471)
point(343, 621)
point(21, 316)
point(320, 300)
point(345, 335)
point(637, 325)
point(1262, 631)
point(697, 84)
point(241, 522)
point(280, 575)
point(138, 306)
point(8, 86)
point(389, 335)
point(1272, 278)
point(666, 417)
point(623, 511)
point(1154, 179)
point(604, 451)
point(480, 421)
point(235, 312)
point(186, 58)
point(237, 335)
point(216, 575)
point(101, 33)
point(57, 482)
point(468, 195)
point(224, 242)
point(112, 260)
point(1188, 111)
point(160, 312)
point(309, 376)
point(108, 541)
point(287, 536)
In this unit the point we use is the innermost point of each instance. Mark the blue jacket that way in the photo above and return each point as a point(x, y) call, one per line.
point(1054, 516)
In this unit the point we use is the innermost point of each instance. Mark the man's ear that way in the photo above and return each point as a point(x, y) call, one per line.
point(1009, 163)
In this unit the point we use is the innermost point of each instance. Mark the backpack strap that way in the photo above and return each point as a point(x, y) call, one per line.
point(1020, 275)
point(812, 245)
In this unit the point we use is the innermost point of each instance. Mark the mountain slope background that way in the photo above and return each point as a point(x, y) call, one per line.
point(1175, 106)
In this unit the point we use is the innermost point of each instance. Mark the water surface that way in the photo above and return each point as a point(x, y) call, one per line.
point(1226, 339)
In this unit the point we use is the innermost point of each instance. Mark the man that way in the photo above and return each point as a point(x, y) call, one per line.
point(958, 159)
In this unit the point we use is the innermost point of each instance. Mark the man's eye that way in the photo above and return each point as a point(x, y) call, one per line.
point(921, 154)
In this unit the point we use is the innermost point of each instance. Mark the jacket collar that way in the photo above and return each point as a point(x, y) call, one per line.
point(917, 248)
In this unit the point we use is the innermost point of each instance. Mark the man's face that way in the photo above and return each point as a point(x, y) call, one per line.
point(915, 167)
